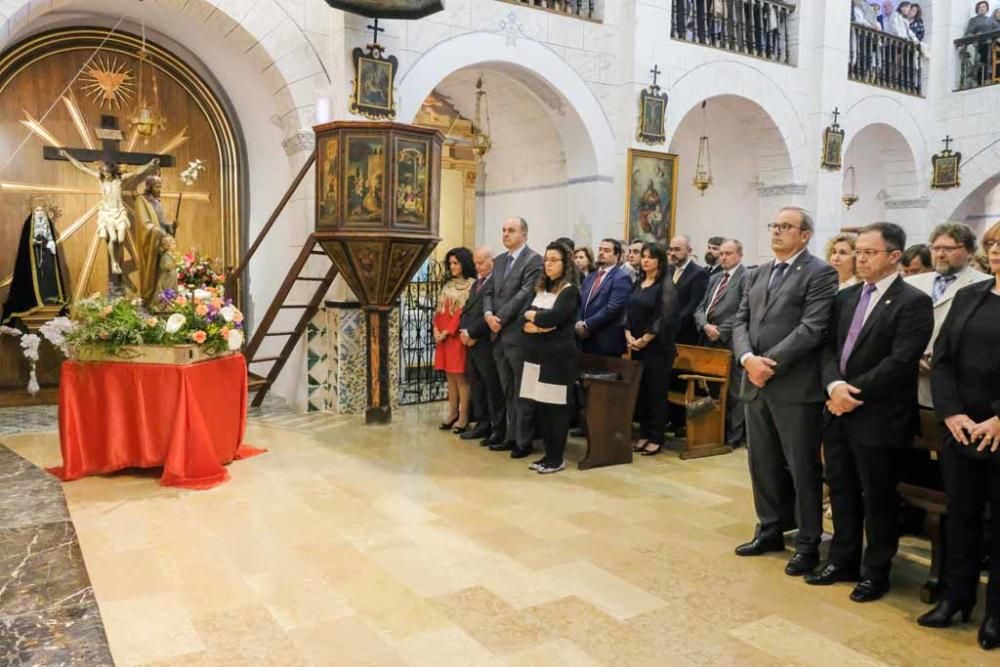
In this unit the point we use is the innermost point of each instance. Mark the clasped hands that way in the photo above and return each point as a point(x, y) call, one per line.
point(842, 399)
point(967, 432)
point(759, 370)
point(463, 336)
point(530, 327)
point(493, 322)
point(635, 344)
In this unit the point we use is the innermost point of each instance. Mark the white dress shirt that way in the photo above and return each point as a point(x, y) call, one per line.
point(881, 287)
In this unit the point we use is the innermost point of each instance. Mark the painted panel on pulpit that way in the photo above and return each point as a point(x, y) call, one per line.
point(364, 177)
point(650, 202)
point(412, 192)
point(329, 182)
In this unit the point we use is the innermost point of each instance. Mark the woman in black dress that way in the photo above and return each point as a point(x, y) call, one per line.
point(550, 353)
point(965, 383)
point(650, 327)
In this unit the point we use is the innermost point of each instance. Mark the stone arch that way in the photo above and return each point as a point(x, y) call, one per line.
point(886, 179)
point(744, 80)
point(581, 121)
point(886, 111)
point(267, 34)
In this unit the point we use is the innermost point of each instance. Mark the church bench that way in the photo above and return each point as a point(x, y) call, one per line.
point(703, 367)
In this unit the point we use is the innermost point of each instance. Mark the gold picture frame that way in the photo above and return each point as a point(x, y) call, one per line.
point(833, 148)
point(650, 195)
point(946, 170)
point(374, 83)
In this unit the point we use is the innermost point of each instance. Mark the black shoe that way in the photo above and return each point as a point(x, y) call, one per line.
point(446, 426)
point(502, 447)
point(461, 430)
point(520, 452)
point(761, 545)
point(493, 439)
point(800, 564)
point(578, 432)
point(989, 633)
point(832, 574)
point(477, 433)
point(869, 590)
point(943, 615)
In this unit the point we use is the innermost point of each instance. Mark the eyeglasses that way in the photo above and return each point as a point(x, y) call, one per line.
point(869, 254)
point(945, 248)
point(781, 227)
point(989, 244)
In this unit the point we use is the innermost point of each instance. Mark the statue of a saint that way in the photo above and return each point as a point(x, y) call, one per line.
point(156, 241)
point(112, 216)
point(39, 277)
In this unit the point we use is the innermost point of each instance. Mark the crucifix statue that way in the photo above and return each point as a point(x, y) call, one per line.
point(112, 216)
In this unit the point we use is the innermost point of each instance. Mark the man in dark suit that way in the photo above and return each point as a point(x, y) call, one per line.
point(487, 395)
point(511, 288)
point(778, 335)
point(603, 296)
point(878, 332)
point(715, 317)
point(712, 263)
point(692, 283)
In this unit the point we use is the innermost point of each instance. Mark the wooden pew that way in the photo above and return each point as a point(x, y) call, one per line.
point(933, 501)
point(612, 386)
point(706, 434)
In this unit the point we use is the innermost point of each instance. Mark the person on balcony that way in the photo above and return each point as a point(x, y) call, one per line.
point(982, 22)
point(865, 15)
point(898, 23)
point(916, 18)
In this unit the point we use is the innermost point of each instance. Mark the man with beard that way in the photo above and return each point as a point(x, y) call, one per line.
point(712, 265)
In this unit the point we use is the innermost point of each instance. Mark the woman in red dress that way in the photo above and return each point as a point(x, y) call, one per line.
point(449, 356)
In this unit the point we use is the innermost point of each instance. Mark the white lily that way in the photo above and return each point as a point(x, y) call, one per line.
point(175, 323)
point(228, 313)
point(235, 340)
point(204, 295)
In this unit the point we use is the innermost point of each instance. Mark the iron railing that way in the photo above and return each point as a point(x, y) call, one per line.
point(418, 381)
point(884, 60)
point(979, 60)
point(585, 9)
point(758, 28)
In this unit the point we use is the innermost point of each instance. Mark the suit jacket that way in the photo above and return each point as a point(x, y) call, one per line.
point(945, 382)
point(884, 363)
point(510, 289)
point(714, 270)
point(790, 328)
point(604, 313)
point(472, 316)
point(724, 314)
point(690, 291)
point(925, 283)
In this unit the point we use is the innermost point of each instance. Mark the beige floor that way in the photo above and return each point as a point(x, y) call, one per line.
point(348, 545)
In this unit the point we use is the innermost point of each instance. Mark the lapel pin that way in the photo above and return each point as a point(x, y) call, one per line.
point(888, 301)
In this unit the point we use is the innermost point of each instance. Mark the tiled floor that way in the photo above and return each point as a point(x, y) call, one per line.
point(353, 545)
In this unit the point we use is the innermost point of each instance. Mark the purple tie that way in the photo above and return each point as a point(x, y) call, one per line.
point(857, 323)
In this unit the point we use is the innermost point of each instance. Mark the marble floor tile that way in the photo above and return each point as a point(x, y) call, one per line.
point(145, 628)
point(794, 644)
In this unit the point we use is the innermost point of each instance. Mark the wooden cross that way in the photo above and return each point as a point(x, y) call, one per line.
point(947, 142)
point(836, 114)
point(656, 73)
point(375, 31)
point(110, 137)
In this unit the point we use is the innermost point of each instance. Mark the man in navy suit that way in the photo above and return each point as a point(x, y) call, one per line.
point(603, 295)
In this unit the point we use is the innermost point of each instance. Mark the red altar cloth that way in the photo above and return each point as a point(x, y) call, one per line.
point(188, 419)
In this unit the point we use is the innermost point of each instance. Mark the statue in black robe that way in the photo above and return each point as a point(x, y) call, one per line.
point(39, 277)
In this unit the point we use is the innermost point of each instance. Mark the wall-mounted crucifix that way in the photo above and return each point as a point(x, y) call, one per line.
point(112, 217)
point(375, 31)
point(656, 73)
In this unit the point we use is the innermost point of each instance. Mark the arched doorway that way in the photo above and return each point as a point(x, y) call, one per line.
point(751, 170)
point(885, 177)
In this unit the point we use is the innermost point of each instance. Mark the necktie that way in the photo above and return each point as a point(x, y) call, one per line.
point(597, 285)
point(717, 297)
point(941, 284)
point(857, 322)
point(479, 284)
point(677, 274)
point(777, 276)
point(507, 271)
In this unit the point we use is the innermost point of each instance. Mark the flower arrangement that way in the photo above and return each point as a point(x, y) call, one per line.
point(29, 347)
point(196, 271)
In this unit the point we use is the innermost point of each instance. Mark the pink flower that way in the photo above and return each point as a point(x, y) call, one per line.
point(151, 322)
point(201, 310)
point(181, 301)
point(224, 332)
point(199, 336)
point(237, 316)
point(107, 310)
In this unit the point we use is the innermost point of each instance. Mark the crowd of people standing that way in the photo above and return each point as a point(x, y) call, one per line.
point(833, 359)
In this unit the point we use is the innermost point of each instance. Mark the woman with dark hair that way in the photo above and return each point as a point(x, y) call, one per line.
point(965, 382)
point(550, 353)
point(916, 18)
point(583, 258)
point(449, 355)
point(650, 327)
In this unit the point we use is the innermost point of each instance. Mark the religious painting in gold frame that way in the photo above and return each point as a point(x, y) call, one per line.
point(833, 148)
point(945, 167)
point(650, 196)
point(652, 116)
point(374, 81)
point(412, 181)
point(364, 179)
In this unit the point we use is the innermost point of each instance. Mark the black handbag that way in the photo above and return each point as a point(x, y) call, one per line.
point(702, 406)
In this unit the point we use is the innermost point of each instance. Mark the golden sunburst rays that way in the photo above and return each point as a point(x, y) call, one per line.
point(74, 113)
point(108, 82)
point(39, 130)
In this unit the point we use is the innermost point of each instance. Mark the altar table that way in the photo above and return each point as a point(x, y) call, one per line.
point(187, 419)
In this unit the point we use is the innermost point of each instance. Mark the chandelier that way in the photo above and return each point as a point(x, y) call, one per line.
point(851, 196)
point(146, 118)
point(703, 168)
point(481, 141)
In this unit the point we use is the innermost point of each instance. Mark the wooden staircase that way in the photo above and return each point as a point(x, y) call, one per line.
point(259, 384)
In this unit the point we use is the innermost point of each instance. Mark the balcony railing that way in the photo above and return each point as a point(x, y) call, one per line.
point(884, 60)
point(584, 9)
point(756, 28)
point(979, 60)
